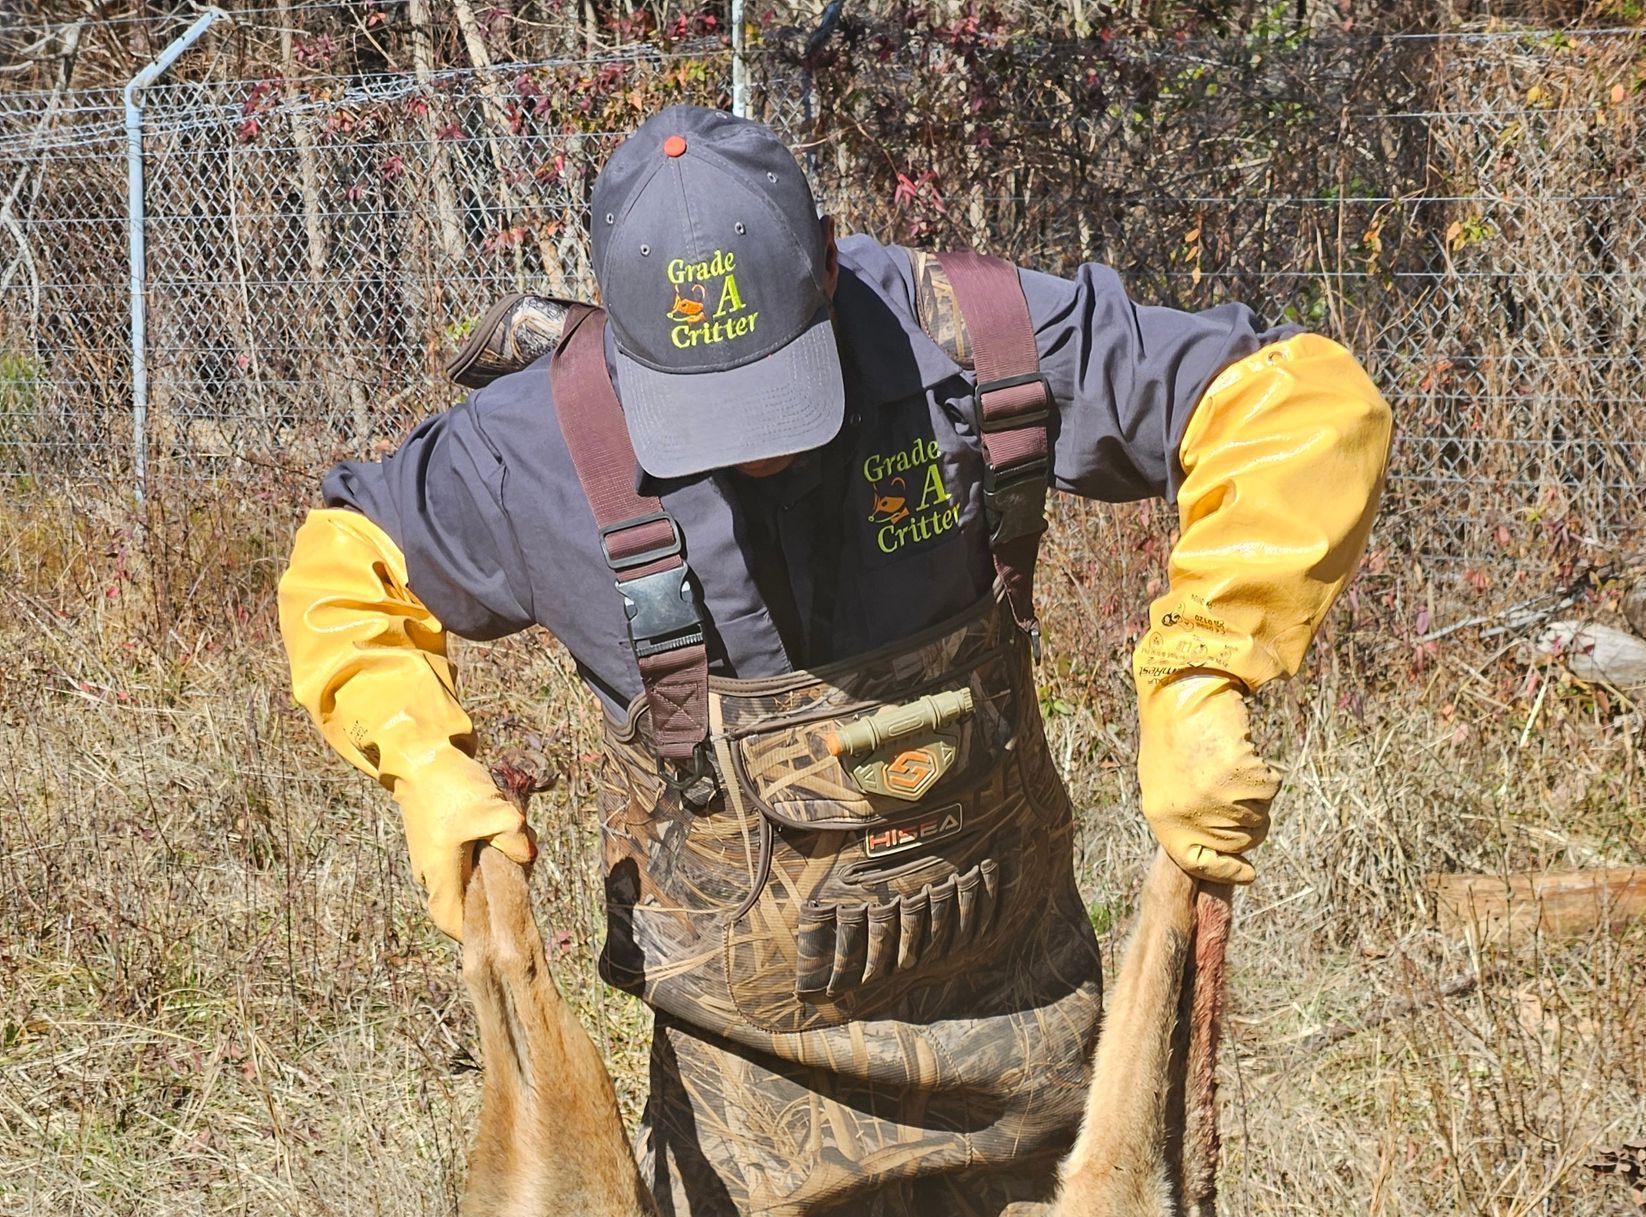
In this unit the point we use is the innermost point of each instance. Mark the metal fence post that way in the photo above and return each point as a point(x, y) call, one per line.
point(134, 227)
point(740, 71)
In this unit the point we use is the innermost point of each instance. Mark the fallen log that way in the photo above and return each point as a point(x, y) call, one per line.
point(1513, 909)
point(1596, 653)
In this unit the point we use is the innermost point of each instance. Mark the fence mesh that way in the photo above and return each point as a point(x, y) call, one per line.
point(1463, 211)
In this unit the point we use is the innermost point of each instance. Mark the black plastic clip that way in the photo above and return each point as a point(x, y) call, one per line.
point(1014, 501)
point(660, 607)
point(662, 611)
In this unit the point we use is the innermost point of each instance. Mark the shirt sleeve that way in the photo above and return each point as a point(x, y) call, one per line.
point(1126, 378)
point(440, 498)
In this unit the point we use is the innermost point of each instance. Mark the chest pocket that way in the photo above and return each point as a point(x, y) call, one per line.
point(911, 488)
point(893, 829)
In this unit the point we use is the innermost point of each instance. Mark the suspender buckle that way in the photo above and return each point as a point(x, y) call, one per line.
point(1014, 496)
point(661, 610)
point(660, 607)
point(657, 553)
point(1014, 501)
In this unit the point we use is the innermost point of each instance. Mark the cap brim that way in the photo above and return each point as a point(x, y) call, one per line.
point(684, 423)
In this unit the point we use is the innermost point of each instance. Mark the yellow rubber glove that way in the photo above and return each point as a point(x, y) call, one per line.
point(1283, 464)
point(1206, 792)
point(369, 664)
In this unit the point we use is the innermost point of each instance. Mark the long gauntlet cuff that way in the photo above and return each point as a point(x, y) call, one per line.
point(1283, 460)
point(368, 660)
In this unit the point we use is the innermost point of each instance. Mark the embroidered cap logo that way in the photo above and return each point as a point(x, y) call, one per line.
point(692, 281)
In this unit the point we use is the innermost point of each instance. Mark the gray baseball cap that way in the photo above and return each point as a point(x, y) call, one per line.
point(710, 260)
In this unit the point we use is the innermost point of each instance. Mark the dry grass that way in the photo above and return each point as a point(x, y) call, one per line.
point(220, 994)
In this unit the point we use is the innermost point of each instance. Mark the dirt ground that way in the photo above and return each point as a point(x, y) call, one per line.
point(219, 995)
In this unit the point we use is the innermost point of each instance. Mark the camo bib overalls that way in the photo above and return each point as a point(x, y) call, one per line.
point(848, 893)
point(865, 1004)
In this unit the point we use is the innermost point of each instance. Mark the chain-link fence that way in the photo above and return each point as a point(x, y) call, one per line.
point(311, 255)
point(1464, 210)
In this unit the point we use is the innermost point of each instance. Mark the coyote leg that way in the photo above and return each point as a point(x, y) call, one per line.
point(1213, 919)
point(1120, 1165)
point(551, 1140)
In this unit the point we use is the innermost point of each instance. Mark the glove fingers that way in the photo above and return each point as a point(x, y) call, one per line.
point(445, 875)
point(1258, 831)
point(1234, 815)
point(1229, 839)
point(520, 846)
point(493, 818)
point(1254, 782)
point(1206, 790)
point(1213, 867)
point(445, 885)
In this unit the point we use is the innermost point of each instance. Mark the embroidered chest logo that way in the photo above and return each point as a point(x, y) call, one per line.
point(908, 498)
point(697, 285)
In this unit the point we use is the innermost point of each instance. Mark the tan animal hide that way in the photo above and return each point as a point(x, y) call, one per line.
point(1148, 1144)
point(551, 1140)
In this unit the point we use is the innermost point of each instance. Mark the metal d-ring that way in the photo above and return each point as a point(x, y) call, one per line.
point(682, 779)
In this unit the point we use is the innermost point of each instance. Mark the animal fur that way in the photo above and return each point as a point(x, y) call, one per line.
point(1214, 918)
point(551, 1140)
point(1148, 1142)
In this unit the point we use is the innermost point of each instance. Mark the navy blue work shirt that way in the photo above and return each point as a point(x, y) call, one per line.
point(856, 545)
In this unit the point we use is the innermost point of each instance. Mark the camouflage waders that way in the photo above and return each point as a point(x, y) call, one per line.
point(865, 1004)
point(849, 893)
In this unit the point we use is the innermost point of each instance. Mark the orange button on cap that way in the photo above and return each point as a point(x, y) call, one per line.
point(675, 145)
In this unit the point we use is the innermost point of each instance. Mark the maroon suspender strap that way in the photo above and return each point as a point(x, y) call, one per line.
point(1010, 410)
point(640, 540)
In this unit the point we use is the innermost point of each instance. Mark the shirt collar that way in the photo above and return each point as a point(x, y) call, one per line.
point(884, 354)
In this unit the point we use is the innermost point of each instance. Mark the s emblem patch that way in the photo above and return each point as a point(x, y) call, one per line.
point(911, 772)
point(906, 771)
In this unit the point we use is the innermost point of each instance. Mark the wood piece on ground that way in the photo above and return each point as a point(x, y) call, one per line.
point(1596, 653)
point(1515, 908)
point(1634, 607)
